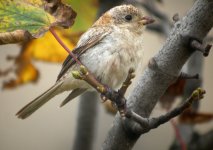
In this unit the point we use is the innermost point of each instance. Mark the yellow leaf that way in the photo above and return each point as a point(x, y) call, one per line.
point(50, 50)
point(25, 72)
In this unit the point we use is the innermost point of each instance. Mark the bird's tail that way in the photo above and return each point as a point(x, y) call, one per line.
point(38, 102)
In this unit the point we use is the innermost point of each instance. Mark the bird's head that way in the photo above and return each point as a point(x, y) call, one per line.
point(126, 16)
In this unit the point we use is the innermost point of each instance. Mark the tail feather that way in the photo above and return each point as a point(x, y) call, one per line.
point(38, 102)
point(72, 95)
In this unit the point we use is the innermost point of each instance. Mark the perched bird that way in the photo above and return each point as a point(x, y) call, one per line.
point(108, 49)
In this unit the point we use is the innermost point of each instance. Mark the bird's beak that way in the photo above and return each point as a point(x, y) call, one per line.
point(147, 20)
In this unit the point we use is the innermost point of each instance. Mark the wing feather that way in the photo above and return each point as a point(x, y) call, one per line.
point(87, 41)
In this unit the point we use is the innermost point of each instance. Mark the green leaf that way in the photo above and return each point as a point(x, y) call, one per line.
point(19, 15)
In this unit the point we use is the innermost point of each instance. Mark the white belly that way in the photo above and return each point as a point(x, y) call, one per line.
point(110, 60)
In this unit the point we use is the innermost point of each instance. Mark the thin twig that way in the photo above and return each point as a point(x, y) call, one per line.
point(196, 95)
point(127, 82)
point(151, 123)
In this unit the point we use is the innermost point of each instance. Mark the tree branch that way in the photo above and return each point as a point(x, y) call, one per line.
point(151, 86)
point(152, 123)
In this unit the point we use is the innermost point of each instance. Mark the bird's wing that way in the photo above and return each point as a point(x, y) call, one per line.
point(87, 40)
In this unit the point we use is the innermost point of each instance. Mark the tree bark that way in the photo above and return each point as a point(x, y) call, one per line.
point(156, 79)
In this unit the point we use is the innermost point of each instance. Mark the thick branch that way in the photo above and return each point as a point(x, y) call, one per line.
point(170, 59)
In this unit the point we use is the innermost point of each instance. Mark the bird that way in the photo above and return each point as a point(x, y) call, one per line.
point(109, 48)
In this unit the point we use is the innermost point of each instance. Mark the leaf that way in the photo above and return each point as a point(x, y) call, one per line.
point(63, 13)
point(22, 16)
point(109, 108)
point(47, 48)
point(50, 51)
point(25, 72)
point(69, 37)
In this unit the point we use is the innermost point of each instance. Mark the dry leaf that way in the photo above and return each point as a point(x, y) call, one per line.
point(25, 72)
point(110, 108)
point(192, 117)
point(37, 49)
point(171, 93)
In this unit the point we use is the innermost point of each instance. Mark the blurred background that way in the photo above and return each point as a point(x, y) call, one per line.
point(52, 127)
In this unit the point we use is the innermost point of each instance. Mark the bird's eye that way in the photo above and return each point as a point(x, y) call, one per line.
point(128, 17)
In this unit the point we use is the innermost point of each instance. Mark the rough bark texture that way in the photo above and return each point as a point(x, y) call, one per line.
point(153, 83)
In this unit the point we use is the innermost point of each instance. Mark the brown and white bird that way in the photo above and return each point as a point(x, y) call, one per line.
point(108, 49)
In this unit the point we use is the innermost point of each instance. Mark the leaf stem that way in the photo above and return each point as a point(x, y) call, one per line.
point(64, 46)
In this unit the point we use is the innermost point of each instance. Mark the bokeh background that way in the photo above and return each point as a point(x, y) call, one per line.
point(53, 128)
